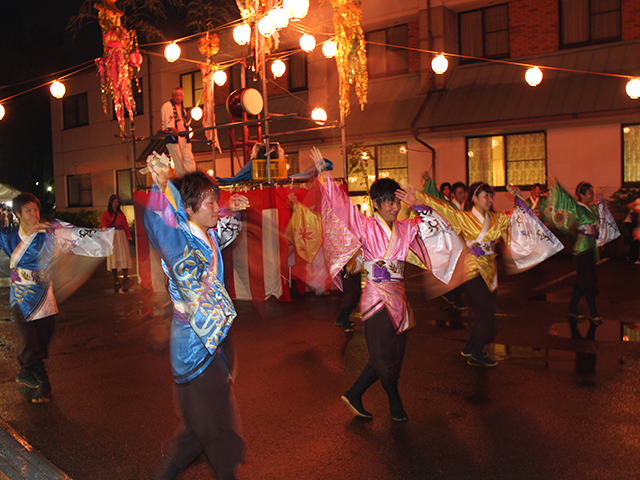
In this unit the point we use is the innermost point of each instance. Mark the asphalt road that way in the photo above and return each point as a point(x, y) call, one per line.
point(554, 408)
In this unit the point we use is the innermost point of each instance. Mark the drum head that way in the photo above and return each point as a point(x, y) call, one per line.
point(252, 101)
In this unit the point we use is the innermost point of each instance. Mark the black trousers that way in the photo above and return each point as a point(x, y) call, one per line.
point(485, 326)
point(586, 278)
point(351, 290)
point(386, 348)
point(33, 338)
point(210, 423)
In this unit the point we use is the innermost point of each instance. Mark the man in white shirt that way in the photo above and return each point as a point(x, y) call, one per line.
point(174, 120)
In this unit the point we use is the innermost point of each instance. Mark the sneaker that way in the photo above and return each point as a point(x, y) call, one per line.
point(355, 406)
point(397, 413)
point(25, 377)
point(483, 361)
point(347, 326)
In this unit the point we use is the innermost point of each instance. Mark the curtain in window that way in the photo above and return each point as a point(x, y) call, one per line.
point(376, 58)
point(605, 19)
point(631, 158)
point(486, 160)
point(471, 34)
point(496, 28)
point(391, 163)
point(397, 58)
point(575, 21)
point(526, 159)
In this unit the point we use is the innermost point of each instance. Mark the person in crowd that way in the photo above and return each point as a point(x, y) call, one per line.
point(188, 228)
point(385, 243)
point(121, 257)
point(458, 195)
point(537, 200)
point(632, 221)
point(482, 227)
point(32, 248)
point(175, 120)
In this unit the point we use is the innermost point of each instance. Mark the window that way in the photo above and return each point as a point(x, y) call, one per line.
point(485, 33)
point(631, 155)
point(236, 78)
point(502, 159)
point(383, 55)
point(79, 191)
point(366, 164)
point(298, 72)
point(75, 111)
point(584, 22)
point(191, 84)
point(123, 186)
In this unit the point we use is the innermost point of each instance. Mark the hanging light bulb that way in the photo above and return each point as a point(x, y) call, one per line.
point(172, 52)
point(319, 115)
point(57, 89)
point(196, 113)
point(266, 26)
point(533, 76)
point(278, 68)
point(220, 77)
point(307, 42)
point(297, 9)
point(1, 112)
point(633, 88)
point(329, 49)
point(439, 64)
point(210, 172)
point(242, 34)
point(279, 17)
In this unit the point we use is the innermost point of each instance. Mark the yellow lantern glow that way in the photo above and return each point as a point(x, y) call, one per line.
point(319, 115)
point(172, 52)
point(57, 89)
point(297, 9)
point(279, 17)
point(439, 64)
point(210, 172)
point(1, 112)
point(533, 76)
point(278, 68)
point(633, 88)
point(196, 113)
point(307, 42)
point(266, 26)
point(220, 77)
point(242, 34)
point(329, 49)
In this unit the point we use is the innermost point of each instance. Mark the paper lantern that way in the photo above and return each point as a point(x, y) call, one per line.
point(266, 26)
point(439, 64)
point(135, 59)
point(296, 9)
point(57, 89)
point(319, 116)
point(533, 76)
point(307, 42)
point(278, 68)
point(242, 34)
point(172, 52)
point(329, 49)
point(633, 88)
point(279, 17)
point(1, 112)
point(220, 77)
point(196, 113)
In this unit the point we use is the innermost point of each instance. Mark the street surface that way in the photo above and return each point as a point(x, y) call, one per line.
point(554, 408)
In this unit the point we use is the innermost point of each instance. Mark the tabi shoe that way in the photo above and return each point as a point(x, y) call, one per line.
point(25, 377)
point(126, 283)
point(43, 393)
point(597, 320)
point(355, 405)
point(466, 351)
point(347, 326)
point(395, 403)
point(481, 361)
point(577, 315)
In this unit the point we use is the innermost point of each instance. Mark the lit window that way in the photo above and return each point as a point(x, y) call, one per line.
point(366, 164)
point(631, 155)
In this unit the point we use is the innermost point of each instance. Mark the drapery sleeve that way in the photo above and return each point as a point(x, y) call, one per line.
point(208, 307)
point(450, 213)
point(228, 228)
point(607, 227)
point(563, 211)
point(88, 242)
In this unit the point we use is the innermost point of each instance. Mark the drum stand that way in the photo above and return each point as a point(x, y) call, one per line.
point(245, 143)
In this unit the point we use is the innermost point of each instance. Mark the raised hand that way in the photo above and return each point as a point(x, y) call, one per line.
point(318, 159)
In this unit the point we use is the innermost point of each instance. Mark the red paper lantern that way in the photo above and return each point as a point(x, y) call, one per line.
point(135, 59)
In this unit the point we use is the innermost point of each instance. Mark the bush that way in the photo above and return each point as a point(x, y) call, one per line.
point(81, 218)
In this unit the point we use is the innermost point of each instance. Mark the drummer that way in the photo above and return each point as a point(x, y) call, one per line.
point(175, 121)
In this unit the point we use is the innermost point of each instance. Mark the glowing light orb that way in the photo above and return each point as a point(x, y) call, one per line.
point(172, 52)
point(279, 17)
point(57, 89)
point(633, 88)
point(278, 68)
point(307, 42)
point(242, 34)
point(533, 76)
point(296, 9)
point(196, 113)
point(329, 49)
point(319, 116)
point(439, 64)
point(1, 112)
point(266, 26)
point(220, 77)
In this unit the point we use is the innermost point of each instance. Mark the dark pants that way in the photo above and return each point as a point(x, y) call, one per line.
point(485, 326)
point(33, 338)
point(210, 423)
point(586, 282)
point(386, 348)
point(351, 290)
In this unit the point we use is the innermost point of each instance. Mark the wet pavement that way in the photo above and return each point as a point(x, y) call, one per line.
point(556, 407)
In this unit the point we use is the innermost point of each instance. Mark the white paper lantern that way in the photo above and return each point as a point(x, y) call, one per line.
point(296, 9)
point(533, 76)
point(279, 17)
point(220, 77)
point(307, 42)
point(172, 52)
point(57, 89)
point(1, 112)
point(439, 64)
point(278, 68)
point(633, 88)
point(329, 49)
point(266, 26)
point(196, 113)
point(242, 34)
point(319, 115)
